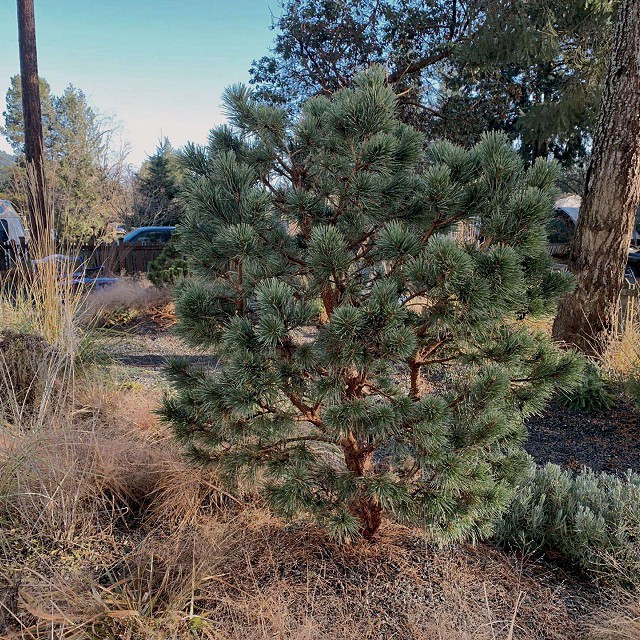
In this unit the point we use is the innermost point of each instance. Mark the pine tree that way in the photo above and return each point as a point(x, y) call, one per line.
point(600, 248)
point(157, 188)
point(370, 364)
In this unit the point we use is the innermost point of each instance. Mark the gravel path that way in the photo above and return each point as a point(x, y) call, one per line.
point(153, 351)
point(144, 355)
point(605, 441)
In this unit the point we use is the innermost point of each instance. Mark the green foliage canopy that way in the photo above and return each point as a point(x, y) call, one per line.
point(157, 188)
point(86, 179)
point(532, 69)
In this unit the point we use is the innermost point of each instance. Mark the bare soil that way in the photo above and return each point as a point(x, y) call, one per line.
point(604, 440)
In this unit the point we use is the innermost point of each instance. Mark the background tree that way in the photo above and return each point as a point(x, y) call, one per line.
point(157, 187)
point(370, 365)
point(87, 173)
point(13, 128)
point(533, 69)
point(461, 67)
point(320, 46)
point(588, 316)
point(6, 164)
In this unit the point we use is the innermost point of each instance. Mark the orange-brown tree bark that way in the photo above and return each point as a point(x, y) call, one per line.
point(587, 317)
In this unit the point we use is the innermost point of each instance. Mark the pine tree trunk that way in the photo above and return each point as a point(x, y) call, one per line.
point(588, 316)
point(360, 462)
point(32, 114)
point(370, 515)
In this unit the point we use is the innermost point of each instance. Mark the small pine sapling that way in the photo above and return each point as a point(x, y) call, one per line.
point(370, 364)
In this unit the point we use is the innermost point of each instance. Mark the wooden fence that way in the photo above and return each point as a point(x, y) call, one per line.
point(120, 259)
point(112, 259)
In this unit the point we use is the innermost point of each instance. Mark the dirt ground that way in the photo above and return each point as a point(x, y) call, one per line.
point(605, 441)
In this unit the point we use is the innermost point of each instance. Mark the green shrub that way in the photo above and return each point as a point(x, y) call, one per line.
point(370, 365)
point(591, 520)
point(590, 394)
point(168, 267)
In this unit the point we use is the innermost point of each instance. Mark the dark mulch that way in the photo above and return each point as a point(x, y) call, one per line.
point(605, 441)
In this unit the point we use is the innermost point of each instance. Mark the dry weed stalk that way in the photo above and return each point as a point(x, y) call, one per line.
point(620, 624)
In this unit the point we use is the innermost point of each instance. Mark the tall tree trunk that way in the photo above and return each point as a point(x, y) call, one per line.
point(587, 317)
point(32, 113)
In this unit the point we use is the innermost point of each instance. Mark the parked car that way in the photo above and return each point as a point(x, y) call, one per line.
point(633, 262)
point(149, 235)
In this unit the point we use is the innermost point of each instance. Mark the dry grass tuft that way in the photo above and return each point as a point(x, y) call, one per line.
point(622, 357)
point(89, 474)
point(130, 301)
point(623, 623)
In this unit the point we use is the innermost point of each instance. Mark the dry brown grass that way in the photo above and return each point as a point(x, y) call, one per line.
point(129, 301)
point(621, 623)
point(108, 533)
point(622, 357)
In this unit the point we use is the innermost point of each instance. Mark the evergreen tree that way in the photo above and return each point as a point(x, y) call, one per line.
point(534, 69)
point(158, 185)
point(85, 176)
point(370, 364)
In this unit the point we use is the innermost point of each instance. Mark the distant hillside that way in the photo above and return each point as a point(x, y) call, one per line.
point(5, 159)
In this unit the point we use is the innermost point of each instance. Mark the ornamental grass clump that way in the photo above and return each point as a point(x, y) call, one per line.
point(370, 364)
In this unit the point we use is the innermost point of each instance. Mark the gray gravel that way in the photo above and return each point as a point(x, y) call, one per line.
point(144, 355)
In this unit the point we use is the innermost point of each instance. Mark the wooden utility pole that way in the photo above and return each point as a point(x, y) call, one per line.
point(587, 317)
point(32, 114)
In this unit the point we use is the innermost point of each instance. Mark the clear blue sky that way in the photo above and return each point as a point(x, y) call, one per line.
point(159, 66)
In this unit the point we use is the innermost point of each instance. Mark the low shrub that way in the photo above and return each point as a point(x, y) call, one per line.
point(169, 267)
point(590, 394)
point(591, 520)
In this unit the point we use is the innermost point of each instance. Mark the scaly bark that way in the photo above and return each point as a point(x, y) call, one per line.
point(587, 317)
point(359, 460)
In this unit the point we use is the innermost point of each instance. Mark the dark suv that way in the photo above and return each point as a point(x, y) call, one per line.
point(149, 235)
